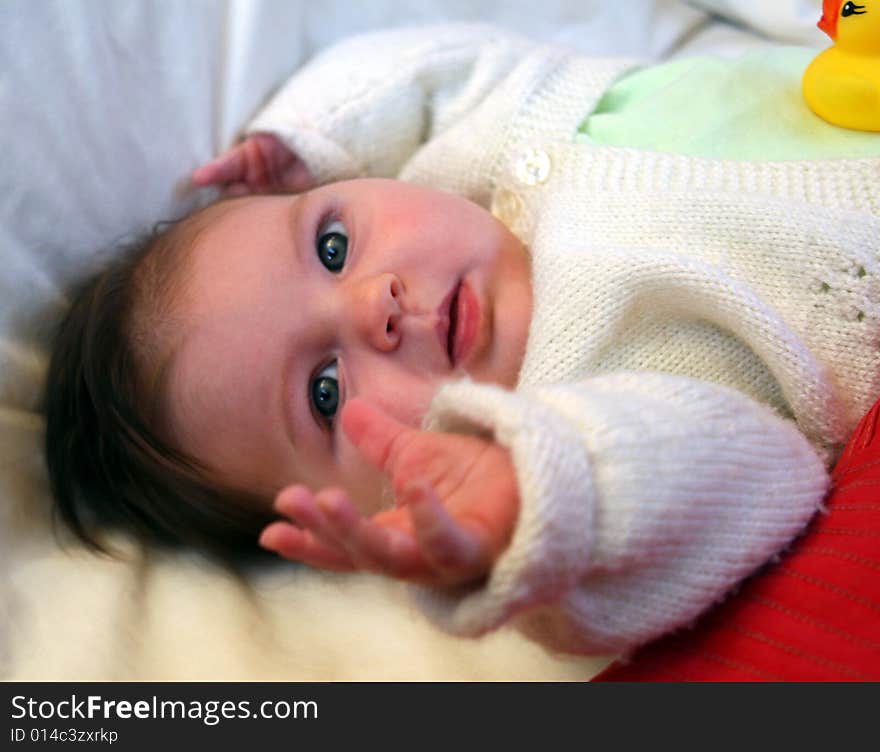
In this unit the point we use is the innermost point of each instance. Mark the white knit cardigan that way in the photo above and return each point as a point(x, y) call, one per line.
point(705, 333)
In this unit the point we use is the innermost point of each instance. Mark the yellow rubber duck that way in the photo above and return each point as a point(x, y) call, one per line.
point(842, 85)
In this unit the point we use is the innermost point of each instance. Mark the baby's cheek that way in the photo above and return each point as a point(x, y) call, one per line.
point(407, 399)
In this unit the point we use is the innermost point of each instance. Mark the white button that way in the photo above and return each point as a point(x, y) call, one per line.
point(533, 167)
point(506, 206)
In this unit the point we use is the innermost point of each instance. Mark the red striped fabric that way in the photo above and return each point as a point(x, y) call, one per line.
point(812, 616)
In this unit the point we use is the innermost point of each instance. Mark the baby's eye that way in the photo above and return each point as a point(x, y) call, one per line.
point(325, 392)
point(332, 246)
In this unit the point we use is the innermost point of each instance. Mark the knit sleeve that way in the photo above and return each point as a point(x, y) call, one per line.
point(644, 498)
point(365, 105)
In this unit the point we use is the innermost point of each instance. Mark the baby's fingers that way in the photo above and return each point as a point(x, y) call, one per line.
point(299, 504)
point(373, 546)
point(451, 549)
point(229, 167)
point(290, 542)
point(234, 190)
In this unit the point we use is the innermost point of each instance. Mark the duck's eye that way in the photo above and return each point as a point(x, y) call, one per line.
point(332, 246)
point(325, 392)
point(851, 9)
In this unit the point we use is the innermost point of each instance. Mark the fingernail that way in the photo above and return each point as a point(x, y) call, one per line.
point(264, 540)
point(400, 542)
point(290, 498)
point(286, 506)
point(332, 506)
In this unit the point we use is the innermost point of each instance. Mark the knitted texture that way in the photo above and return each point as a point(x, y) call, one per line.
point(726, 255)
point(445, 106)
point(753, 286)
point(363, 106)
point(812, 616)
point(689, 487)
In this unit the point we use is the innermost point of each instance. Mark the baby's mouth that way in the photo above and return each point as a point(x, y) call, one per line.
point(459, 320)
point(447, 320)
point(453, 323)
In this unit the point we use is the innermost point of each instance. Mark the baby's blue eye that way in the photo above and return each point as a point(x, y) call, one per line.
point(332, 246)
point(325, 392)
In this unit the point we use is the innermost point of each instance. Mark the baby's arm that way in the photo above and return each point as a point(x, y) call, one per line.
point(639, 499)
point(643, 499)
point(364, 106)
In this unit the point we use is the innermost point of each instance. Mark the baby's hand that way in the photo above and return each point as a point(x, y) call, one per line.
point(457, 502)
point(259, 164)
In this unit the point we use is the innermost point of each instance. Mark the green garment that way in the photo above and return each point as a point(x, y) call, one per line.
point(750, 108)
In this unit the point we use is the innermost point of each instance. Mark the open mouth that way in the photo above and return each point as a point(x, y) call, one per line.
point(447, 322)
point(458, 323)
point(453, 325)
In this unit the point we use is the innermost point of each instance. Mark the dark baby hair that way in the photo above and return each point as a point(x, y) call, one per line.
point(109, 468)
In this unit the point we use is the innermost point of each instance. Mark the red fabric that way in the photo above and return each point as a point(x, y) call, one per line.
point(812, 616)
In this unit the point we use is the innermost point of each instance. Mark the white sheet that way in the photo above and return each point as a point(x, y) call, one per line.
point(105, 107)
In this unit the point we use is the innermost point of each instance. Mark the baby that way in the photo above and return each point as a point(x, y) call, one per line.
point(589, 411)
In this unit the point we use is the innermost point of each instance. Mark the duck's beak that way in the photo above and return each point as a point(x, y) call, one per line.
point(828, 22)
point(827, 25)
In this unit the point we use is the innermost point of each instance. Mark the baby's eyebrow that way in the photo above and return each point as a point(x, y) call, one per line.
point(287, 402)
point(295, 219)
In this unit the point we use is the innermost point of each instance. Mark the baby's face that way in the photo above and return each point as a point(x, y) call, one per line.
point(294, 304)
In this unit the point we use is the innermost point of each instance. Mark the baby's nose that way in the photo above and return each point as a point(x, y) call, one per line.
point(378, 311)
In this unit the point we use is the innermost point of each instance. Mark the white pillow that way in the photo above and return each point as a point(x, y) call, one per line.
point(783, 20)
